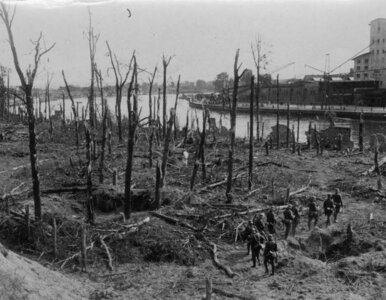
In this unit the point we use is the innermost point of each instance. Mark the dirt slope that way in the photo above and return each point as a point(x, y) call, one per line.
point(22, 278)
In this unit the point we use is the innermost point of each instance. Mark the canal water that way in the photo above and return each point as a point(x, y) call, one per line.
point(266, 121)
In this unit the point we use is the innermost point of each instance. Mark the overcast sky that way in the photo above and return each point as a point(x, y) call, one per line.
point(201, 35)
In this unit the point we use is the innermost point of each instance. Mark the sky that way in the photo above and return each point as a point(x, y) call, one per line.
point(202, 36)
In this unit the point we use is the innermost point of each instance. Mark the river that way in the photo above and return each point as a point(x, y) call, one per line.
point(267, 121)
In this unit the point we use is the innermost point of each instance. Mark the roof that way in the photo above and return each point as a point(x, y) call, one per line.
point(361, 55)
point(378, 19)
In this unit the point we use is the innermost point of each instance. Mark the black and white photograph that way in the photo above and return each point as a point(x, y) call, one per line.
point(193, 149)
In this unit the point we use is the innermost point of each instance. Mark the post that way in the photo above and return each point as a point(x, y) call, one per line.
point(361, 123)
point(251, 134)
point(266, 148)
point(55, 249)
point(262, 130)
point(83, 248)
point(258, 103)
point(309, 136)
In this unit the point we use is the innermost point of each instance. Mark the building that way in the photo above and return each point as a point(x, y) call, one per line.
point(372, 65)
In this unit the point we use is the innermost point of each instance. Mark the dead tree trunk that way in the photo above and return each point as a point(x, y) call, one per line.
point(288, 119)
point(165, 63)
point(376, 151)
point(361, 123)
point(151, 147)
point(293, 140)
point(104, 125)
point(165, 153)
point(205, 114)
point(298, 130)
point(74, 111)
point(233, 107)
point(49, 107)
point(92, 41)
point(277, 113)
point(120, 81)
point(89, 203)
point(133, 122)
point(157, 185)
point(175, 107)
point(63, 112)
point(27, 85)
point(250, 165)
point(151, 81)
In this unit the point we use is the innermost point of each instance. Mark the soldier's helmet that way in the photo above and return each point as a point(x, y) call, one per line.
point(270, 237)
point(337, 191)
point(261, 216)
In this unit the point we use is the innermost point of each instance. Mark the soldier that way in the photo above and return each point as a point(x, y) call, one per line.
point(247, 232)
point(288, 218)
point(259, 224)
point(271, 221)
point(270, 254)
point(328, 207)
point(312, 213)
point(296, 220)
point(337, 198)
point(255, 240)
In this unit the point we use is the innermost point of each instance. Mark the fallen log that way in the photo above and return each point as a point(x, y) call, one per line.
point(216, 184)
point(242, 213)
point(173, 221)
point(301, 190)
point(372, 168)
point(227, 269)
point(231, 295)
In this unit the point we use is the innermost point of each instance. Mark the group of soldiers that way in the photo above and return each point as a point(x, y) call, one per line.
point(260, 235)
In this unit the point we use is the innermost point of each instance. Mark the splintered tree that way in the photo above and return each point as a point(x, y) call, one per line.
point(165, 63)
point(27, 81)
point(250, 165)
point(133, 122)
point(233, 107)
point(92, 41)
point(120, 81)
point(74, 111)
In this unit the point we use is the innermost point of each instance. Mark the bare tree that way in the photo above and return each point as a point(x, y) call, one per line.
point(104, 123)
point(120, 82)
point(260, 61)
point(27, 82)
point(165, 63)
point(151, 81)
point(92, 42)
point(250, 164)
point(232, 132)
point(133, 122)
point(74, 111)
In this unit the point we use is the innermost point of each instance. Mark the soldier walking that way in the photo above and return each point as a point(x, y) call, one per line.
point(328, 207)
point(271, 221)
point(255, 240)
point(270, 254)
point(288, 218)
point(312, 213)
point(296, 220)
point(337, 198)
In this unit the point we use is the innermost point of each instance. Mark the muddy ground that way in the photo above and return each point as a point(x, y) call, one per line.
point(160, 260)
